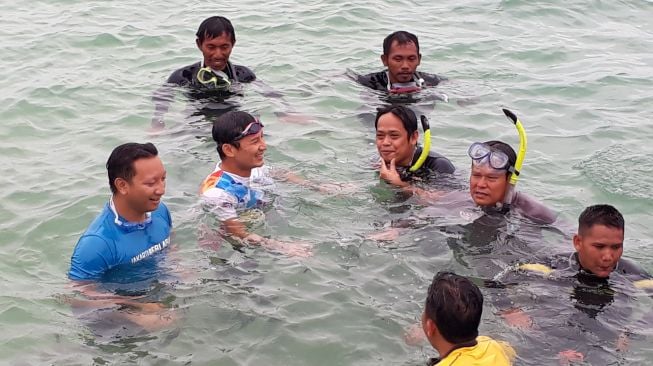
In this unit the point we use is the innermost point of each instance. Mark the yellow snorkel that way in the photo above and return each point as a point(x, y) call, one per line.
point(426, 149)
point(520, 158)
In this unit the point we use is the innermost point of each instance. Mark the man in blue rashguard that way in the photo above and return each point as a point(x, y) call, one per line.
point(126, 242)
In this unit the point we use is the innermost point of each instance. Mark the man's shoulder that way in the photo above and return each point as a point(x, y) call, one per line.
point(184, 75)
point(533, 209)
point(102, 225)
point(163, 212)
point(219, 185)
point(631, 268)
point(439, 163)
point(244, 74)
point(431, 79)
point(376, 80)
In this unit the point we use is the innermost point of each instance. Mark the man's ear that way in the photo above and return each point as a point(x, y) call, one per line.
point(197, 42)
point(122, 185)
point(229, 150)
point(430, 329)
point(577, 241)
point(414, 138)
point(384, 59)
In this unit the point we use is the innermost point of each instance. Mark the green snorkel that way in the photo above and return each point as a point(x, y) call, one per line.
point(507, 201)
point(427, 145)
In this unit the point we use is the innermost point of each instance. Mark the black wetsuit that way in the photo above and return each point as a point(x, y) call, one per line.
point(574, 309)
point(379, 80)
point(186, 77)
point(434, 165)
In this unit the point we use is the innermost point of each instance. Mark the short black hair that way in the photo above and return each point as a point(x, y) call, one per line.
point(455, 304)
point(122, 158)
point(405, 114)
point(402, 37)
point(602, 214)
point(506, 149)
point(214, 27)
point(228, 127)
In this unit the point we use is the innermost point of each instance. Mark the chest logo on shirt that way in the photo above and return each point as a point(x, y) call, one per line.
point(151, 250)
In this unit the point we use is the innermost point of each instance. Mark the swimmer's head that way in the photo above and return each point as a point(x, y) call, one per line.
point(216, 38)
point(239, 139)
point(136, 176)
point(453, 309)
point(401, 56)
point(488, 182)
point(396, 134)
point(599, 241)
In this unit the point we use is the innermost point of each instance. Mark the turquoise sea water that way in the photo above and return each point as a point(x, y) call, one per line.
point(76, 79)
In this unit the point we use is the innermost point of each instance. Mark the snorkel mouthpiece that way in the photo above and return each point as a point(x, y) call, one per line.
point(507, 201)
point(427, 144)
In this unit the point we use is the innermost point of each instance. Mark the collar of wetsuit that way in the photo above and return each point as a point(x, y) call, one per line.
point(585, 274)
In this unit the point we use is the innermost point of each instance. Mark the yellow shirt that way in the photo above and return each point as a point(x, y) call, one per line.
point(486, 352)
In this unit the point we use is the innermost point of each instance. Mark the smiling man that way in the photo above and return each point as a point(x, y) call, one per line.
point(214, 76)
point(239, 182)
point(396, 142)
point(134, 226)
point(127, 242)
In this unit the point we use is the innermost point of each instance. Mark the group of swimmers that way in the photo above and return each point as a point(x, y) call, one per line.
point(127, 239)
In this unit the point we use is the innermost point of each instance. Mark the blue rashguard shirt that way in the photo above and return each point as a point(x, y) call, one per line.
point(121, 252)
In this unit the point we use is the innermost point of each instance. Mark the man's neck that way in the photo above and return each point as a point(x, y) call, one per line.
point(229, 166)
point(123, 209)
point(444, 348)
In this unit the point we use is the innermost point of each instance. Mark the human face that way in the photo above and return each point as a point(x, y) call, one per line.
point(250, 153)
point(401, 61)
point(599, 249)
point(392, 140)
point(487, 185)
point(216, 51)
point(144, 191)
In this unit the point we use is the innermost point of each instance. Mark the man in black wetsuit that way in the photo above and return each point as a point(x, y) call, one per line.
point(401, 58)
point(595, 280)
point(213, 77)
point(396, 142)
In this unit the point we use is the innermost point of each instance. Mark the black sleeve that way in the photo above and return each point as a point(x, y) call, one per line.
point(439, 164)
point(375, 80)
point(632, 269)
point(164, 96)
point(244, 74)
point(533, 209)
point(183, 76)
point(431, 79)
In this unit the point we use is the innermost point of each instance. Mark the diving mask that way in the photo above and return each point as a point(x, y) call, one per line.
point(212, 79)
point(482, 153)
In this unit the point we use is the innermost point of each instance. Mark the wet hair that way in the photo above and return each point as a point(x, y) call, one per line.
point(228, 127)
point(405, 114)
point(402, 37)
point(506, 149)
point(455, 305)
point(605, 215)
point(122, 158)
point(214, 27)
